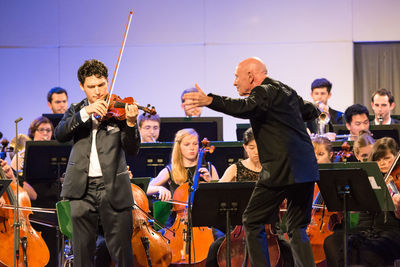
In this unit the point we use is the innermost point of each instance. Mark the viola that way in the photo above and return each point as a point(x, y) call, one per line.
point(149, 247)
point(238, 248)
point(116, 107)
point(33, 251)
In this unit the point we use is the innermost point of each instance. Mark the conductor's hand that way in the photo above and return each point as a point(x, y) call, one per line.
point(99, 107)
point(7, 169)
point(205, 174)
point(131, 112)
point(196, 99)
point(164, 194)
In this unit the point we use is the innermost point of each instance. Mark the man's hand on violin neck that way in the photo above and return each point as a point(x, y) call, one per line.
point(131, 113)
point(99, 107)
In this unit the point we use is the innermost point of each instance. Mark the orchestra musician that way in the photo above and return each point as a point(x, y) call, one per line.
point(97, 180)
point(289, 167)
point(42, 194)
point(149, 127)
point(382, 103)
point(362, 146)
point(182, 167)
point(321, 91)
point(57, 100)
point(356, 117)
point(376, 238)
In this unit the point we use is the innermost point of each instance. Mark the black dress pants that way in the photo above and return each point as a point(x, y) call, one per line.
point(263, 208)
point(117, 225)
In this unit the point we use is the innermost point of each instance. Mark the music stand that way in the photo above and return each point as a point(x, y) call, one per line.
point(357, 186)
point(44, 162)
point(142, 182)
point(4, 183)
point(215, 202)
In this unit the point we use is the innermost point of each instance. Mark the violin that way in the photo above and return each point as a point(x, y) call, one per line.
point(189, 248)
point(392, 177)
point(33, 251)
point(149, 247)
point(116, 107)
point(344, 154)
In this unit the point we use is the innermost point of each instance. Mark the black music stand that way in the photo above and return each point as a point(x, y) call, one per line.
point(142, 182)
point(44, 163)
point(45, 160)
point(215, 202)
point(353, 187)
point(4, 183)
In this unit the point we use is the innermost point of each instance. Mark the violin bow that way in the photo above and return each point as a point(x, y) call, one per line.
point(121, 51)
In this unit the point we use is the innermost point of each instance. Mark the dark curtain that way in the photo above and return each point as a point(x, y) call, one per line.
point(376, 65)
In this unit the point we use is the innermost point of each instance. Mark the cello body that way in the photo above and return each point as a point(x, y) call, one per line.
point(238, 248)
point(320, 227)
point(201, 237)
point(149, 247)
point(37, 254)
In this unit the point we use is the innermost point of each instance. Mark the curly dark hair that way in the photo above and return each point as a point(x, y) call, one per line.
point(92, 67)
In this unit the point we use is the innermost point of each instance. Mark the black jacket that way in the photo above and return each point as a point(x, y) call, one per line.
point(277, 116)
point(113, 139)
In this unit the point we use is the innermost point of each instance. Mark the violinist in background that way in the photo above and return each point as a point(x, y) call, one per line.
point(97, 181)
point(362, 146)
point(382, 103)
point(375, 241)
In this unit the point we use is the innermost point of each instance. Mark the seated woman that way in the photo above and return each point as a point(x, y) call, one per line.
point(182, 167)
point(376, 238)
point(245, 170)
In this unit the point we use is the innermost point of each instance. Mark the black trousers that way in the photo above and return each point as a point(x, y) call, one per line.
point(117, 225)
point(372, 248)
point(263, 208)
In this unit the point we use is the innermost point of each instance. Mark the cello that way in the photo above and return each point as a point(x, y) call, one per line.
point(149, 247)
point(32, 248)
point(238, 248)
point(187, 241)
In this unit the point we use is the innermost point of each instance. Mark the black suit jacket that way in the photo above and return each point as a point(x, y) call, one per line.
point(277, 117)
point(113, 139)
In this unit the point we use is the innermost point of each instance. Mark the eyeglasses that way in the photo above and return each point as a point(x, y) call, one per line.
point(42, 130)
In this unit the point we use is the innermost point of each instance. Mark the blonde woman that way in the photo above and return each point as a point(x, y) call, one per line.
point(183, 166)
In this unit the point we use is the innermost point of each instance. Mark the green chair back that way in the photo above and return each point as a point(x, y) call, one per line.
point(64, 218)
point(161, 211)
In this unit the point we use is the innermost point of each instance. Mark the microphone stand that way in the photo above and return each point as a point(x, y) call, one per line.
point(17, 224)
